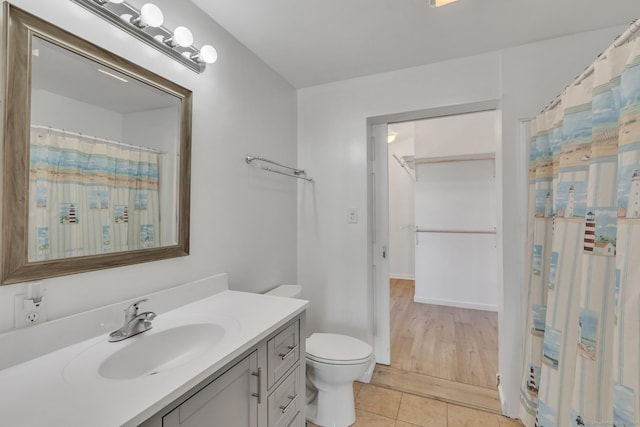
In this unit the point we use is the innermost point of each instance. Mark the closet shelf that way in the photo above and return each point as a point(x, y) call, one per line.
point(452, 159)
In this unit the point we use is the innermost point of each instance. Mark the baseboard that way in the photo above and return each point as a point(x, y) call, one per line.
point(503, 404)
point(402, 276)
point(459, 304)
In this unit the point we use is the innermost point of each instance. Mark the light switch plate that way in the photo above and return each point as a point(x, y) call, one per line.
point(352, 215)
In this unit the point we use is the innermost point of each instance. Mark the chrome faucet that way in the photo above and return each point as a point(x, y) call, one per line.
point(134, 323)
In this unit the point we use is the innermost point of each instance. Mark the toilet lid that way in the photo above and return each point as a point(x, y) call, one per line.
point(337, 349)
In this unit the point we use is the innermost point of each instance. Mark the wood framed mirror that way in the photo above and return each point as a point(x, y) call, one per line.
point(96, 156)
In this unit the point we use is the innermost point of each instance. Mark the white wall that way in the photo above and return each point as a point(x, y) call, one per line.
point(457, 135)
point(61, 112)
point(332, 255)
point(243, 221)
point(401, 212)
point(332, 129)
point(160, 129)
point(457, 270)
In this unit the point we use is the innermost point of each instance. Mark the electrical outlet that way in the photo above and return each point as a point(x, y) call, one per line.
point(29, 311)
point(32, 317)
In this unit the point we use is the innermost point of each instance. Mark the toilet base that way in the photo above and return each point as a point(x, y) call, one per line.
point(334, 409)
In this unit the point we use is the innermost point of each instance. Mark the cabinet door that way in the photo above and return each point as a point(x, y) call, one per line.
point(226, 402)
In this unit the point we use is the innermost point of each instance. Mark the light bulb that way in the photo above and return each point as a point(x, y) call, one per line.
point(150, 16)
point(181, 37)
point(207, 54)
point(438, 3)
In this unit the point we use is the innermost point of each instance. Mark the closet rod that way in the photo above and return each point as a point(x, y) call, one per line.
point(95, 138)
point(453, 231)
point(295, 173)
point(619, 41)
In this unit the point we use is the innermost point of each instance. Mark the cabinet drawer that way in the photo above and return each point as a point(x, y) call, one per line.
point(297, 421)
point(283, 351)
point(286, 402)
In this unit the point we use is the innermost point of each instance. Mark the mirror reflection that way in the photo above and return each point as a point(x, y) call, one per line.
point(104, 159)
point(97, 156)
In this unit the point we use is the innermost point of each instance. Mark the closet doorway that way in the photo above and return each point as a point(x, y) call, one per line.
point(442, 258)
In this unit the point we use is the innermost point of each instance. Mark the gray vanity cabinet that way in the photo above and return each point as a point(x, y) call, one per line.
point(262, 388)
point(285, 378)
point(223, 402)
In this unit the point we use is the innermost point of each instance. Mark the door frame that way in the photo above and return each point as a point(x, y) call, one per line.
point(378, 301)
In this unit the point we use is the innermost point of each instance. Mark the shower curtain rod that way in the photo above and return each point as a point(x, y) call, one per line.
point(95, 138)
point(619, 41)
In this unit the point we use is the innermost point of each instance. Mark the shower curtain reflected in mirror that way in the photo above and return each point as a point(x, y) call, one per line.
point(90, 197)
point(582, 351)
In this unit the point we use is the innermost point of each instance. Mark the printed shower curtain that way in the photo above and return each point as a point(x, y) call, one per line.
point(582, 346)
point(88, 197)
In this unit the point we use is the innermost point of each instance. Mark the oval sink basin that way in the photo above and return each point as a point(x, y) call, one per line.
point(164, 350)
point(160, 349)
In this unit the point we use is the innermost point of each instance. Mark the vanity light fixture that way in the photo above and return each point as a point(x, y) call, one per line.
point(146, 25)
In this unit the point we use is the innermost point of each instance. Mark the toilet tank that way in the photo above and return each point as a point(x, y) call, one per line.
point(287, 291)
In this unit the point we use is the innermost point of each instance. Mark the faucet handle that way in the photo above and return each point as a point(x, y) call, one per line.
point(132, 310)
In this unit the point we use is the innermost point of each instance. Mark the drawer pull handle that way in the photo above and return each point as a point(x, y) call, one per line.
point(288, 353)
point(285, 408)
point(257, 394)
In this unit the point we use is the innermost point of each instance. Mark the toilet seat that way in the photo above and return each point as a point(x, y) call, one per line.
point(336, 349)
point(337, 362)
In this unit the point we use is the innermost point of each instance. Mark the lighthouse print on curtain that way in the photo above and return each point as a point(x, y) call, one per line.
point(582, 348)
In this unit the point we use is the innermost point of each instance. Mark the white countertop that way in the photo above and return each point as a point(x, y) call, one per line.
point(39, 393)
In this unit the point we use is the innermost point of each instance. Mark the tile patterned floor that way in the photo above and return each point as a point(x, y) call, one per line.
point(382, 407)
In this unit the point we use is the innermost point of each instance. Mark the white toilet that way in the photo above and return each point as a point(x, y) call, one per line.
point(333, 362)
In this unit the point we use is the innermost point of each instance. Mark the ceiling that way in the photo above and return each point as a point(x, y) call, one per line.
point(315, 42)
point(61, 71)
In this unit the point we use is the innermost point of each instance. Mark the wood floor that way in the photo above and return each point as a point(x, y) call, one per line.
point(445, 353)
